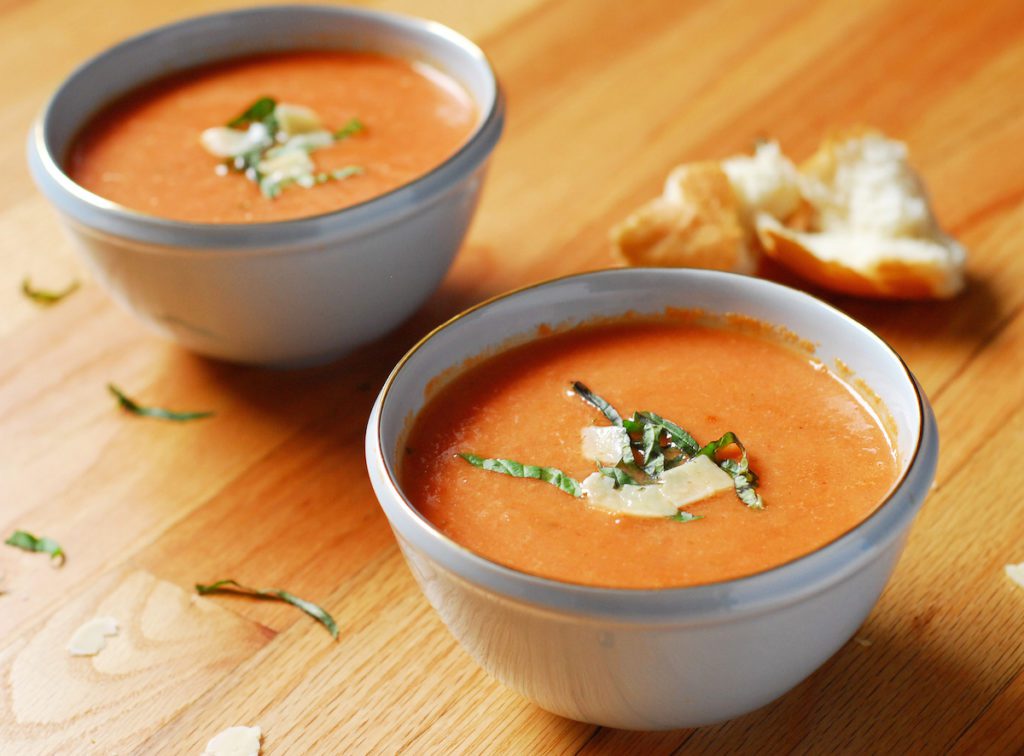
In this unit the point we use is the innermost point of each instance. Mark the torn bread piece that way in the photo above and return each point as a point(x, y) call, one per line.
point(870, 230)
point(697, 222)
point(855, 218)
point(765, 182)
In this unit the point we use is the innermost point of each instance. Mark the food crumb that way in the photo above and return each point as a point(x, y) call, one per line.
point(862, 641)
point(91, 638)
point(1016, 573)
point(235, 741)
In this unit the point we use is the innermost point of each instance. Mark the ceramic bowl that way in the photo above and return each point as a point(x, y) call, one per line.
point(281, 293)
point(655, 659)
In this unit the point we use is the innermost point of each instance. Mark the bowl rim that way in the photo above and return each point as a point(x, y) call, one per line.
point(482, 139)
point(656, 603)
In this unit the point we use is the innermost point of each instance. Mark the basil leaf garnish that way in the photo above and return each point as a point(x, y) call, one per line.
point(620, 477)
point(46, 297)
point(135, 408)
point(743, 477)
point(600, 404)
point(550, 475)
point(233, 586)
point(657, 444)
point(28, 542)
point(677, 435)
point(682, 516)
point(352, 127)
point(261, 111)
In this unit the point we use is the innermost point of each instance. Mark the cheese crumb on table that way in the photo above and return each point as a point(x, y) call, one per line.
point(235, 741)
point(1016, 573)
point(91, 638)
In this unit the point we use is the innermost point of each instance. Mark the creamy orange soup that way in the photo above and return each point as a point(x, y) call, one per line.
point(823, 460)
point(144, 151)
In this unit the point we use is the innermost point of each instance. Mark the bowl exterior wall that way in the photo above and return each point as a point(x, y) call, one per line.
point(286, 307)
point(656, 676)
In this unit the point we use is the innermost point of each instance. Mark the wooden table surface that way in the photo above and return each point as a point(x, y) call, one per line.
point(604, 98)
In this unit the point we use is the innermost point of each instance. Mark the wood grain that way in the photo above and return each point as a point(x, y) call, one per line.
point(604, 98)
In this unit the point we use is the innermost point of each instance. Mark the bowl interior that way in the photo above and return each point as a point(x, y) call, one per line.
point(207, 39)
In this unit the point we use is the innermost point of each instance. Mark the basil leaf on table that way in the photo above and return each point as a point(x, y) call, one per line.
point(274, 594)
point(47, 297)
point(21, 539)
point(130, 405)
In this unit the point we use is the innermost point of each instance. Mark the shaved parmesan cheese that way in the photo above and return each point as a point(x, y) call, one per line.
point(690, 482)
point(604, 443)
point(235, 741)
point(288, 165)
point(314, 140)
point(91, 638)
point(638, 501)
point(224, 142)
point(1016, 573)
point(697, 479)
point(296, 119)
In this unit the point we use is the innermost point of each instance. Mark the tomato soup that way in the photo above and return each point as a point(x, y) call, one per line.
point(822, 460)
point(145, 151)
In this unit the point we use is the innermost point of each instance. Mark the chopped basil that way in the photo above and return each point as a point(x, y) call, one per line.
point(352, 127)
point(261, 111)
point(135, 408)
point(233, 586)
point(656, 445)
point(682, 516)
point(602, 406)
point(272, 189)
point(247, 163)
point(44, 296)
point(22, 540)
point(550, 475)
point(620, 477)
point(743, 477)
point(679, 437)
point(347, 172)
point(271, 182)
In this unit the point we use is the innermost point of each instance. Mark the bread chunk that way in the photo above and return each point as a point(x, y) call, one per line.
point(855, 218)
point(872, 231)
point(695, 223)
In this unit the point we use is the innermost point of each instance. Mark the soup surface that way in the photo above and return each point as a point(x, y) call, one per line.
point(144, 151)
point(823, 460)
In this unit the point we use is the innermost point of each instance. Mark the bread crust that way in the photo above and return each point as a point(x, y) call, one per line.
point(891, 278)
point(696, 223)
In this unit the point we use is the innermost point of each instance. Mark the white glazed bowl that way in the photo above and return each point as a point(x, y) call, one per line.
point(655, 659)
point(289, 292)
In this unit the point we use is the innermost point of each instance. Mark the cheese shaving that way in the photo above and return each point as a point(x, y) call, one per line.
point(1016, 573)
point(91, 638)
point(679, 487)
point(696, 480)
point(235, 741)
point(604, 443)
